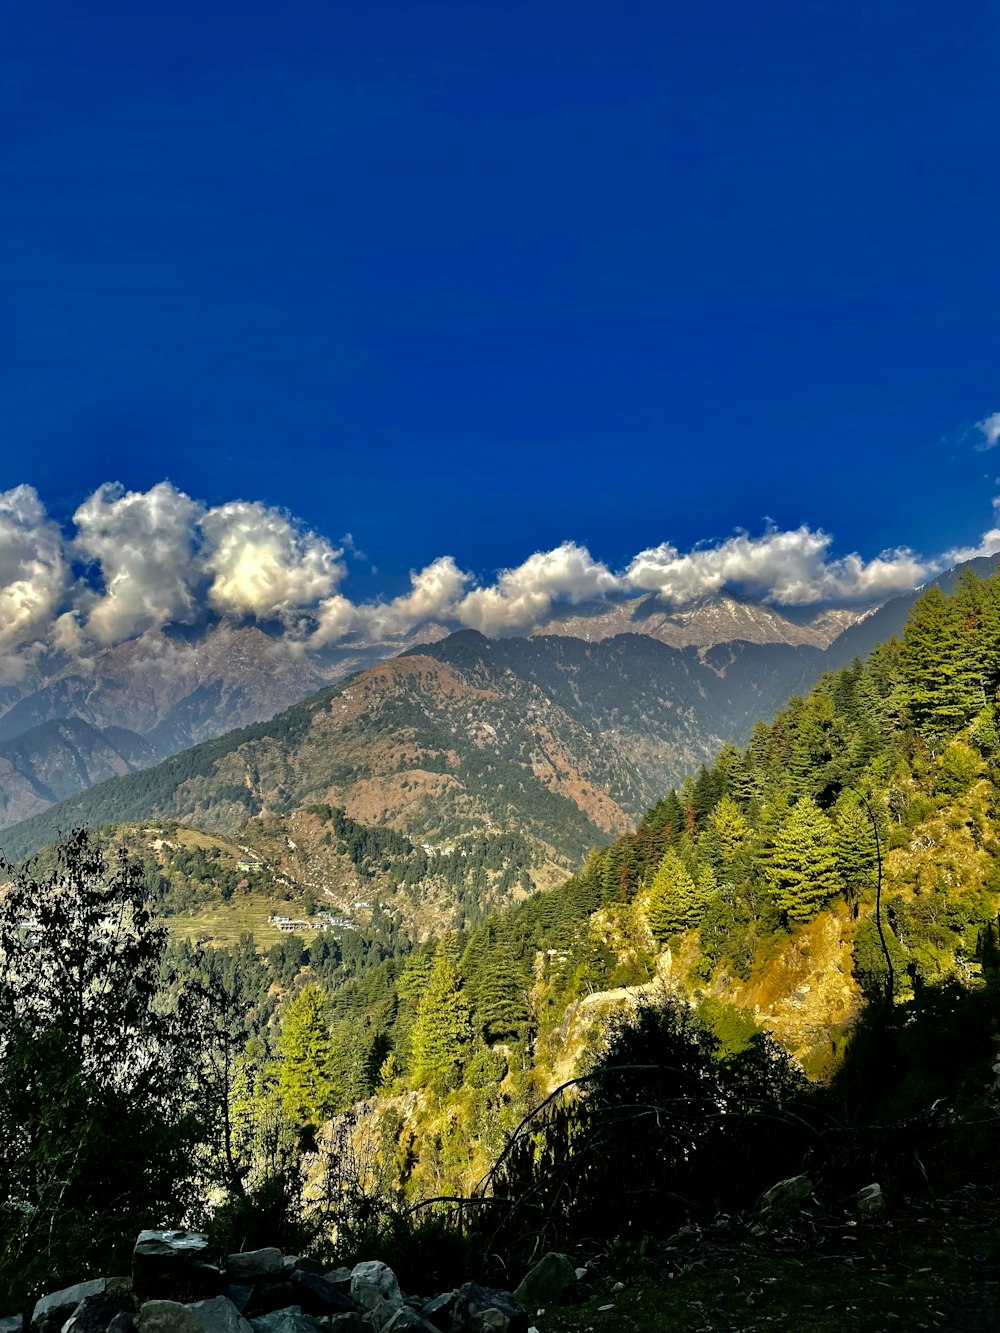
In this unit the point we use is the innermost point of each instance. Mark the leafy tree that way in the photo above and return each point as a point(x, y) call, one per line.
point(98, 1115)
point(804, 871)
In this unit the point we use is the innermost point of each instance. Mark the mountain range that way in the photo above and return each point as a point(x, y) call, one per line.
point(569, 733)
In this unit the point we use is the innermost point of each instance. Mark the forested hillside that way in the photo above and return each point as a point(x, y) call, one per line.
point(751, 888)
point(598, 1058)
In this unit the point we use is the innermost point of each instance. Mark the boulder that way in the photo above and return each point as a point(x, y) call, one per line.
point(316, 1295)
point(870, 1200)
point(52, 1311)
point(173, 1266)
point(166, 1317)
point(270, 1296)
point(290, 1320)
point(239, 1295)
point(404, 1318)
point(12, 1323)
point(548, 1283)
point(123, 1322)
point(786, 1195)
point(96, 1313)
point(219, 1315)
point(439, 1310)
point(374, 1284)
point(252, 1266)
point(487, 1310)
point(350, 1322)
point(340, 1277)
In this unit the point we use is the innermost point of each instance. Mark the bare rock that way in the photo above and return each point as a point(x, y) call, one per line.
point(548, 1283)
point(870, 1200)
point(374, 1284)
point(166, 1317)
point(173, 1266)
point(252, 1266)
point(53, 1310)
point(488, 1310)
point(786, 1195)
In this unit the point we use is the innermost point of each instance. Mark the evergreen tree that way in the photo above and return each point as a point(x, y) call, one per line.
point(942, 687)
point(307, 1083)
point(673, 903)
point(803, 871)
point(854, 844)
point(442, 1030)
point(732, 832)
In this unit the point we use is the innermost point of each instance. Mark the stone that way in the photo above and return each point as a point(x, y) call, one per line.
point(239, 1295)
point(316, 1295)
point(52, 1311)
point(405, 1318)
point(166, 1317)
point(349, 1322)
point(12, 1323)
point(96, 1313)
point(340, 1277)
point(270, 1296)
point(290, 1320)
point(219, 1315)
point(870, 1200)
point(251, 1266)
point(439, 1310)
point(548, 1283)
point(173, 1266)
point(487, 1310)
point(123, 1322)
point(786, 1195)
point(374, 1283)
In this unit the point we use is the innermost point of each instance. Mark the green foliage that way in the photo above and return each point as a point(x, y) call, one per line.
point(675, 900)
point(804, 872)
point(99, 1111)
point(442, 1031)
point(307, 1084)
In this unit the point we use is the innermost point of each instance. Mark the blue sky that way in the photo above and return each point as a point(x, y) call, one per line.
point(477, 280)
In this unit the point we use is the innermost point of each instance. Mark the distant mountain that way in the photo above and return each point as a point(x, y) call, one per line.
point(58, 758)
point(551, 740)
point(704, 623)
point(171, 689)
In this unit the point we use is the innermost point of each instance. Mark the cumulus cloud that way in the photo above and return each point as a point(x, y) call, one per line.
point(138, 560)
point(524, 595)
point(792, 568)
point(143, 546)
point(989, 432)
point(261, 563)
point(33, 576)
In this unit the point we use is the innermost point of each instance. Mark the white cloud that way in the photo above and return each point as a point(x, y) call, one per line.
point(791, 568)
point(33, 576)
point(262, 563)
point(524, 595)
point(158, 557)
point(989, 430)
point(143, 544)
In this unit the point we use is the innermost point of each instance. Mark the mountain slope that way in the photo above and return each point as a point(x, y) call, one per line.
point(55, 759)
point(556, 741)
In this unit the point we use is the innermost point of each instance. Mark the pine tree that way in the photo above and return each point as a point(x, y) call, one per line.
point(500, 1001)
point(673, 902)
point(732, 831)
point(442, 1030)
point(941, 685)
point(803, 870)
point(855, 850)
point(307, 1083)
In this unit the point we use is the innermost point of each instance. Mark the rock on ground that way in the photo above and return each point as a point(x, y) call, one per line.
point(548, 1283)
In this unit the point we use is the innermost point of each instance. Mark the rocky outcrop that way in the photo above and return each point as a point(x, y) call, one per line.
point(177, 1286)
